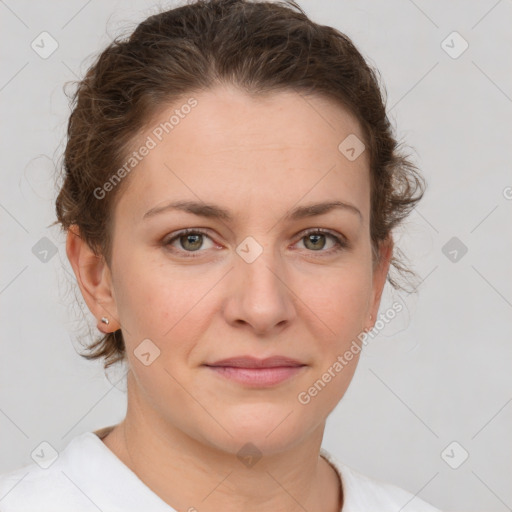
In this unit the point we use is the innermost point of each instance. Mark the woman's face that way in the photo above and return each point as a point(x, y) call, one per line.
point(257, 281)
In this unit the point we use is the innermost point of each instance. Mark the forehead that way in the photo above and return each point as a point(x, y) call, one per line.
point(257, 147)
point(229, 118)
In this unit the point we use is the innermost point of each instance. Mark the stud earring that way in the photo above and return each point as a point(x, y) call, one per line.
point(105, 320)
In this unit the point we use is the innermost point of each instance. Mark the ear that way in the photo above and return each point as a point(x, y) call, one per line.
point(94, 279)
point(380, 273)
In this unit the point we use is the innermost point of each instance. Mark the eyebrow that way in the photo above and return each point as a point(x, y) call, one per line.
point(212, 211)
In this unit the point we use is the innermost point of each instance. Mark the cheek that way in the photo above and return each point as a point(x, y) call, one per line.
point(339, 299)
point(337, 313)
point(159, 301)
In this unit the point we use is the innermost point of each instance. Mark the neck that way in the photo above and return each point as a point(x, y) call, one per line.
point(191, 474)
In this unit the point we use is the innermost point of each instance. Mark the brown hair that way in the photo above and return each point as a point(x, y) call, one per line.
point(258, 46)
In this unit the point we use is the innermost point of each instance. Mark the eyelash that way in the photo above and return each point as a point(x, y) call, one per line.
point(340, 242)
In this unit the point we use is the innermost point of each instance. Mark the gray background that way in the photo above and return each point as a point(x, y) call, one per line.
point(438, 373)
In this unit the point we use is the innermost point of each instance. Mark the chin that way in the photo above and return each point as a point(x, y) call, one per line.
point(270, 428)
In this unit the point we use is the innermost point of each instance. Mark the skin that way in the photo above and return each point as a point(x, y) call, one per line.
point(259, 158)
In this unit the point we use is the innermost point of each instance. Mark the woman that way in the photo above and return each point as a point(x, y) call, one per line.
point(231, 186)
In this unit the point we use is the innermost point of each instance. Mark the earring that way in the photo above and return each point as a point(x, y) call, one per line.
point(369, 328)
point(105, 320)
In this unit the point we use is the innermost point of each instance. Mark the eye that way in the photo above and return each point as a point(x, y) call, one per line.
point(317, 239)
point(188, 241)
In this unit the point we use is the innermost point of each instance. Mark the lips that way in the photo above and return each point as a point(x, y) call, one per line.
point(253, 362)
point(252, 372)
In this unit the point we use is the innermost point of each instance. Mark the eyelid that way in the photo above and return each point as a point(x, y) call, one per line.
point(167, 240)
point(323, 231)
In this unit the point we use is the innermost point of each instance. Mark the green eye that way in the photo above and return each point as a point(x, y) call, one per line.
point(188, 241)
point(316, 240)
point(191, 242)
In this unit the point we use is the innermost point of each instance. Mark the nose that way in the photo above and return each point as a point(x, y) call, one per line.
point(259, 296)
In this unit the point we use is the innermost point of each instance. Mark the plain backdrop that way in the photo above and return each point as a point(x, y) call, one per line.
point(435, 386)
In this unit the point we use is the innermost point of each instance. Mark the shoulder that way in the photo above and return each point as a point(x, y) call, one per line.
point(32, 488)
point(362, 493)
point(84, 477)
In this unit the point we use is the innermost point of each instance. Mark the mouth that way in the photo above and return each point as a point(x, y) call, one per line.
point(253, 372)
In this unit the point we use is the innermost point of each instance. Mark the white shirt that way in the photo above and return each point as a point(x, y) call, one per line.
point(87, 477)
